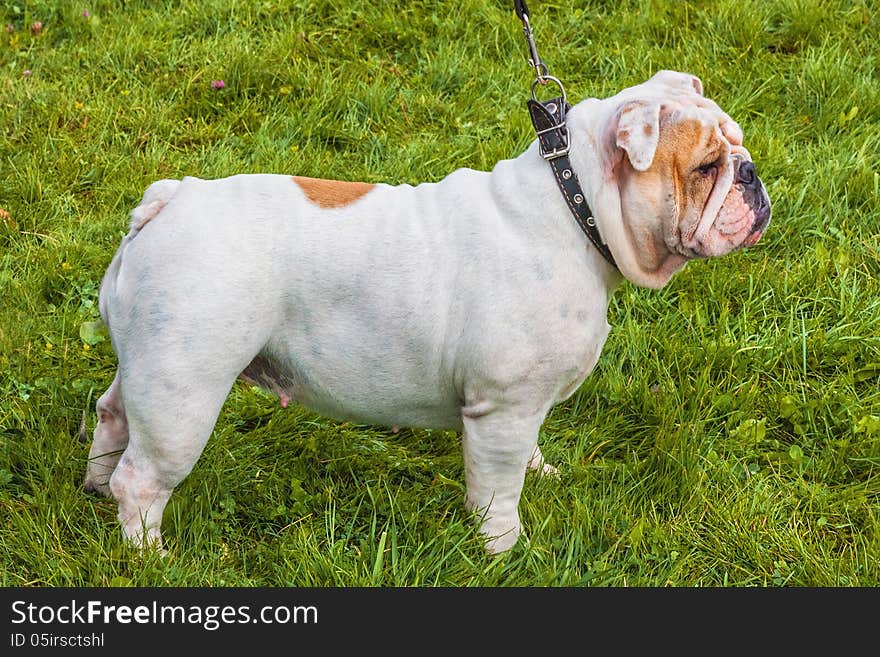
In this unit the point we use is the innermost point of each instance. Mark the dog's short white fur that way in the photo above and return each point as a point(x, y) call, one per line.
point(474, 303)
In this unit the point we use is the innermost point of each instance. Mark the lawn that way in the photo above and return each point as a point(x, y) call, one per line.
point(730, 434)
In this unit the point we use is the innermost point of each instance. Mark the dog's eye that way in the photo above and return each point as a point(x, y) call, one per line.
point(709, 168)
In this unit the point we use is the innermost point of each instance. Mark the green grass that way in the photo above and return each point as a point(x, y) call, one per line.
point(730, 434)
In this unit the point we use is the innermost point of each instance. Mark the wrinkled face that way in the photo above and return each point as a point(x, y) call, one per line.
point(686, 182)
point(713, 198)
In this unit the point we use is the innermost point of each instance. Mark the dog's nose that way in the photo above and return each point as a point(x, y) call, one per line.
point(745, 173)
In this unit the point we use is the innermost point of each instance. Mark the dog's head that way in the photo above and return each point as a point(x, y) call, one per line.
point(677, 182)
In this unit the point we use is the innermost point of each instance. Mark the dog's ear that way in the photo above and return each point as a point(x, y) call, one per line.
point(638, 131)
point(681, 82)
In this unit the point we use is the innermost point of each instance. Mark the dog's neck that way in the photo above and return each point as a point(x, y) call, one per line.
point(526, 192)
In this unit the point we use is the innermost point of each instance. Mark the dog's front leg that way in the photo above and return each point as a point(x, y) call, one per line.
point(497, 450)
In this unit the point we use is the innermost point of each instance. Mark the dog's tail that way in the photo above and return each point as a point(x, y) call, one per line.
point(155, 198)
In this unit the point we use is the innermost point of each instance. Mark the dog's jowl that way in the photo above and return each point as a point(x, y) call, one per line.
point(474, 303)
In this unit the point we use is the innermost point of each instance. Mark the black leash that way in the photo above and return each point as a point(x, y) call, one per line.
point(548, 118)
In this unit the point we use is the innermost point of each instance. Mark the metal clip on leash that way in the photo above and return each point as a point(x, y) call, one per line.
point(542, 74)
point(548, 118)
point(556, 107)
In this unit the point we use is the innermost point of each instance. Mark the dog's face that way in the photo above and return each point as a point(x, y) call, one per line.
point(687, 187)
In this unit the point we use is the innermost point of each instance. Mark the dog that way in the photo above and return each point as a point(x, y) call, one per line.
point(472, 304)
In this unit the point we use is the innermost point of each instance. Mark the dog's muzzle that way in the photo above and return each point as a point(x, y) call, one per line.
point(754, 193)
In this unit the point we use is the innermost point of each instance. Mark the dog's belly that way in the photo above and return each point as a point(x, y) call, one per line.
point(315, 385)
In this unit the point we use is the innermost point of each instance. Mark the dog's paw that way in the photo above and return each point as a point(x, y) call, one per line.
point(499, 544)
point(501, 534)
point(548, 470)
point(538, 465)
point(98, 489)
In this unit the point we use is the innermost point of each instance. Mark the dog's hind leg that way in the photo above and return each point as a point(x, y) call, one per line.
point(110, 438)
point(171, 415)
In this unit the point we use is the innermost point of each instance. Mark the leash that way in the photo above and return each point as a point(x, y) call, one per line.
point(548, 119)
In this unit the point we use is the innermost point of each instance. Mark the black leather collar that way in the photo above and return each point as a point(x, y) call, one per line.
point(548, 117)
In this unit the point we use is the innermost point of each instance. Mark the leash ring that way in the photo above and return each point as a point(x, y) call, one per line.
point(543, 81)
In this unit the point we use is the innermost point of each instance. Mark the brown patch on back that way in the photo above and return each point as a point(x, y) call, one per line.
point(332, 193)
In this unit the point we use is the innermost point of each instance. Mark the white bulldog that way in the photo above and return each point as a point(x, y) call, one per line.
point(474, 304)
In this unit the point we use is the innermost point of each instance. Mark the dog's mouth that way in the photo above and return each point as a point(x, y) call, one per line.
point(735, 217)
point(761, 209)
point(762, 212)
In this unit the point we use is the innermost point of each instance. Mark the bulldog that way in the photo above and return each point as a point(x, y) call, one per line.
point(472, 304)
